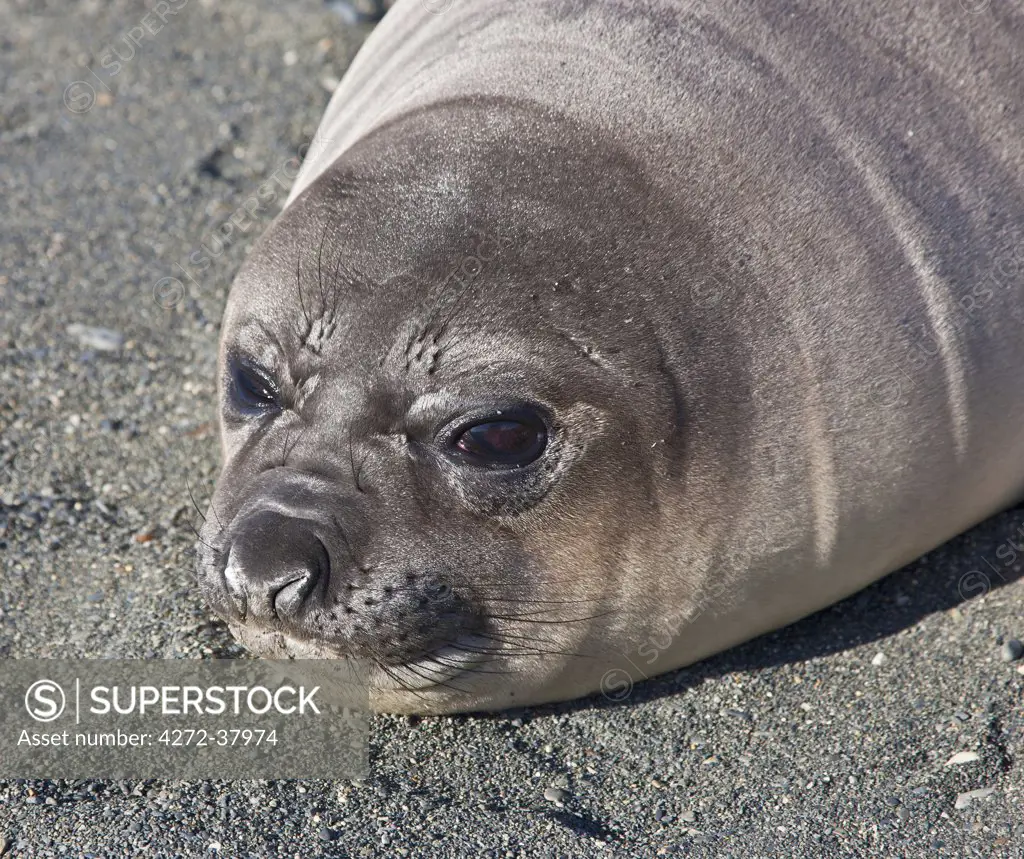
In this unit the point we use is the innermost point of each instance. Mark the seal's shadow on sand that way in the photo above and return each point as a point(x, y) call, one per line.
point(986, 558)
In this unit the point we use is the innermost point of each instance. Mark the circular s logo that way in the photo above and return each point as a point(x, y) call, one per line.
point(616, 685)
point(437, 7)
point(168, 292)
point(45, 700)
point(973, 584)
point(79, 97)
point(885, 391)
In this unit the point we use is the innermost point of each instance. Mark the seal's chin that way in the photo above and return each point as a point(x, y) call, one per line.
point(441, 667)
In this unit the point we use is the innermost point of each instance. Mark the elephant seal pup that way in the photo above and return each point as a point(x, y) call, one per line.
point(598, 336)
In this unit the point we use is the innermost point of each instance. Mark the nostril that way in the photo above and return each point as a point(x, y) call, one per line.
point(288, 599)
point(276, 567)
point(290, 596)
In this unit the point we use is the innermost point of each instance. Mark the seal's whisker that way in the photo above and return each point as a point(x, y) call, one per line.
point(336, 285)
point(527, 615)
point(498, 651)
point(561, 621)
point(187, 568)
point(406, 687)
point(320, 271)
point(362, 567)
point(531, 643)
point(400, 681)
point(498, 583)
point(456, 309)
point(213, 508)
point(303, 335)
point(192, 498)
point(425, 672)
point(290, 448)
point(540, 602)
point(201, 540)
point(284, 448)
point(473, 669)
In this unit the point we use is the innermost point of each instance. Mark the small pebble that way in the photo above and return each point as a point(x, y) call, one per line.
point(903, 813)
point(5, 845)
point(688, 816)
point(879, 659)
point(326, 833)
point(966, 798)
point(962, 758)
point(556, 795)
point(100, 339)
point(1012, 650)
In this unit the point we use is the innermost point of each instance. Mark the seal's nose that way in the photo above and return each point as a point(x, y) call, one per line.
point(275, 563)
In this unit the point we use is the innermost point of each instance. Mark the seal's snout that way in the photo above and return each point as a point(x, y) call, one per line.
point(294, 573)
point(275, 569)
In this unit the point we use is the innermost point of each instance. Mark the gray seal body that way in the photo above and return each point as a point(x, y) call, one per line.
point(597, 337)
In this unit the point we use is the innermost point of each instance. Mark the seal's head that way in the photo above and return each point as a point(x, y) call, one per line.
point(447, 415)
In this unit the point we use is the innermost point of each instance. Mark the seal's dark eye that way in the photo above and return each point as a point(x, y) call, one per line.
point(503, 440)
point(252, 389)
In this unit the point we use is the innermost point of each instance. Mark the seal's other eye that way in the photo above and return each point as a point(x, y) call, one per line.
point(252, 388)
point(502, 440)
